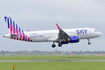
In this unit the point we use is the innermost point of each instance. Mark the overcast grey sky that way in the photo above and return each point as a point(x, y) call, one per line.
point(43, 14)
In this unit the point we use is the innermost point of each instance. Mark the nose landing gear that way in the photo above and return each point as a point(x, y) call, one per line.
point(89, 43)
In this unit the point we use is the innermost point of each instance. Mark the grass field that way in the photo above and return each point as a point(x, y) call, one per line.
point(53, 65)
point(53, 57)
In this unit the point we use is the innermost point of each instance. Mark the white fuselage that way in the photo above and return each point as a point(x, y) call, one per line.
point(52, 35)
point(61, 36)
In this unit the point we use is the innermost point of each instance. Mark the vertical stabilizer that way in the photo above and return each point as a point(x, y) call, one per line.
point(15, 31)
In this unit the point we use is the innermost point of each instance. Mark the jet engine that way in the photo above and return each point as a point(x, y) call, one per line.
point(73, 39)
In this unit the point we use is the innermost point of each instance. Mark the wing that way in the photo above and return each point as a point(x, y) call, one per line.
point(62, 35)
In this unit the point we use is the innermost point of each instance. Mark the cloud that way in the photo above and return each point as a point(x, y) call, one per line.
point(43, 14)
point(99, 1)
point(73, 11)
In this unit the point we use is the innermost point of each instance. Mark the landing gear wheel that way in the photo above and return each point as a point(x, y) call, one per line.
point(89, 43)
point(59, 45)
point(53, 46)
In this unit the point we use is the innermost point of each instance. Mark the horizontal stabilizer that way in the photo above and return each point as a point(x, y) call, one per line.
point(10, 35)
point(14, 35)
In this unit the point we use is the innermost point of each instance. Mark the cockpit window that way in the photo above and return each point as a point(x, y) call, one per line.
point(95, 30)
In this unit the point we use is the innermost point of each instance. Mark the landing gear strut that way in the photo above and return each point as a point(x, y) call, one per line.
point(89, 42)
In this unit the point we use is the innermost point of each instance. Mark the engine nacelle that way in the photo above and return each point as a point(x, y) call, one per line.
point(74, 39)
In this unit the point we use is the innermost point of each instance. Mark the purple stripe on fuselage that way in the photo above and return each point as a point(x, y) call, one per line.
point(8, 23)
point(13, 27)
point(16, 29)
point(20, 33)
point(25, 37)
point(31, 40)
point(5, 19)
point(10, 28)
point(28, 39)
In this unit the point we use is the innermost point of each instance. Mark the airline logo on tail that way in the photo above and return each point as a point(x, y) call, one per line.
point(15, 31)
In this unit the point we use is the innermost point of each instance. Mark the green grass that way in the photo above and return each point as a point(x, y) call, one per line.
point(53, 65)
point(52, 57)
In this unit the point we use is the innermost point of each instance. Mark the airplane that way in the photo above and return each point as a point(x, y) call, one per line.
point(60, 36)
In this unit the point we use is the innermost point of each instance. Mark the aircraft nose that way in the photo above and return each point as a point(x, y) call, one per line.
point(99, 33)
point(3, 35)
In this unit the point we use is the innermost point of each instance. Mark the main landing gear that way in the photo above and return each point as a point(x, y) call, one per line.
point(59, 44)
point(89, 43)
point(53, 45)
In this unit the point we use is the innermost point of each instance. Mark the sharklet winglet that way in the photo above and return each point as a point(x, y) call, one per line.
point(28, 30)
point(58, 26)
